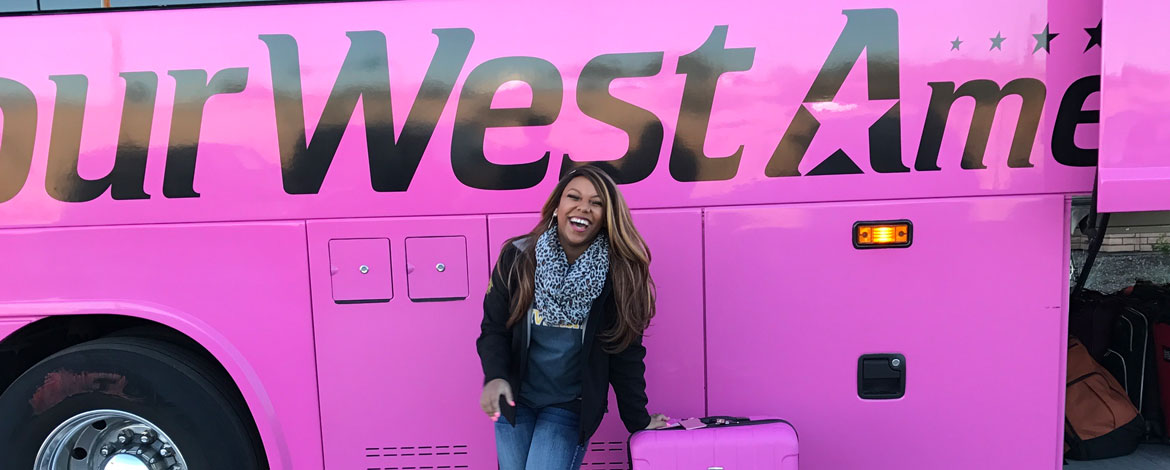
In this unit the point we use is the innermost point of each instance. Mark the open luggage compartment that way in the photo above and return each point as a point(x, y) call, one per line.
point(1122, 317)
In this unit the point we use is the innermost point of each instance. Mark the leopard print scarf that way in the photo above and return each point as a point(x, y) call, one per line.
point(564, 294)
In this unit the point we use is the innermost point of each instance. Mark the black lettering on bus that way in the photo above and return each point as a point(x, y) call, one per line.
point(364, 74)
point(642, 127)
point(987, 96)
point(703, 67)
point(1072, 113)
point(874, 31)
point(126, 179)
point(18, 105)
point(192, 90)
point(475, 115)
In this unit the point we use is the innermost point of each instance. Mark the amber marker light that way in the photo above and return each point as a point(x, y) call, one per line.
point(883, 234)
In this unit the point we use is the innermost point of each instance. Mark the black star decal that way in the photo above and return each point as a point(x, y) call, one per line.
point(955, 44)
point(1042, 40)
point(997, 42)
point(1094, 36)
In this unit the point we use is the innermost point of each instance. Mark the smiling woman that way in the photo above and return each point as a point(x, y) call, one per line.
point(577, 215)
point(563, 320)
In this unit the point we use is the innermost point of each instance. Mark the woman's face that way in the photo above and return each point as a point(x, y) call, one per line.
point(580, 214)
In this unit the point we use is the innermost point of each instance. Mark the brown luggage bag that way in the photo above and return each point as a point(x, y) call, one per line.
point(1100, 421)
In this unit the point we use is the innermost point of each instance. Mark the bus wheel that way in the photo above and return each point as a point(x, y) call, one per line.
point(124, 403)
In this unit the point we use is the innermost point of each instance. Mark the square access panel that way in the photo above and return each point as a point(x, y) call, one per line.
point(436, 268)
point(360, 270)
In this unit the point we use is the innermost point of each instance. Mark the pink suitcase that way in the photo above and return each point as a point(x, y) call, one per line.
point(761, 443)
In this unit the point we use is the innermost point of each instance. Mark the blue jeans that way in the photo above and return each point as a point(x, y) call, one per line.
point(544, 439)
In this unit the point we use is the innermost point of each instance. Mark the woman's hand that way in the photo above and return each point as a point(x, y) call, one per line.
point(657, 421)
point(490, 399)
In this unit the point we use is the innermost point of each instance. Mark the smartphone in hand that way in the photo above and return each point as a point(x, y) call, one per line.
point(507, 411)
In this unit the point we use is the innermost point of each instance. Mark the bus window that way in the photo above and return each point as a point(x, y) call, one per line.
point(70, 4)
point(18, 5)
point(152, 3)
point(97, 4)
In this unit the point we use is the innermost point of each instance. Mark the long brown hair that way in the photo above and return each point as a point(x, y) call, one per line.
point(629, 261)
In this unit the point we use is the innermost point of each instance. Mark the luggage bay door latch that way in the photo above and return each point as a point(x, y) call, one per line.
point(881, 376)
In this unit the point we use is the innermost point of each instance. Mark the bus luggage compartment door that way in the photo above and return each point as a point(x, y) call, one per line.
point(1134, 171)
point(974, 304)
point(399, 375)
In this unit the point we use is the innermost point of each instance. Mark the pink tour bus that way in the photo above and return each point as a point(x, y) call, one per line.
point(259, 235)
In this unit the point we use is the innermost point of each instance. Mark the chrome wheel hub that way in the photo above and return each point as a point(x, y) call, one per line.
point(125, 462)
point(109, 440)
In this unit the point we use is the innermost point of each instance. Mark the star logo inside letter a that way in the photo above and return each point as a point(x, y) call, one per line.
point(843, 137)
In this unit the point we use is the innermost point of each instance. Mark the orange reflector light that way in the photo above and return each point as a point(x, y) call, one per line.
point(882, 234)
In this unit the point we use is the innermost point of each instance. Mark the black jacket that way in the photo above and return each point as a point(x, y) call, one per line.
point(503, 353)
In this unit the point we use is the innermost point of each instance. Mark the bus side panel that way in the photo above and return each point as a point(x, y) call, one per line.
point(675, 371)
point(399, 376)
point(975, 305)
point(241, 290)
point(705, 135)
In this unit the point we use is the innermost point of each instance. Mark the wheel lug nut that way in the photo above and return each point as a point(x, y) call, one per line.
point(125, 437)
point(147, 437)
point(165, 451)
point(105, 451)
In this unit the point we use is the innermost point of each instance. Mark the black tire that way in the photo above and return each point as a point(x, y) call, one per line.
point(166, 385)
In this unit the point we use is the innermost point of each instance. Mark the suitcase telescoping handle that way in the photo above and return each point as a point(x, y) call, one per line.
point(711, 422)
point(723, 420)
